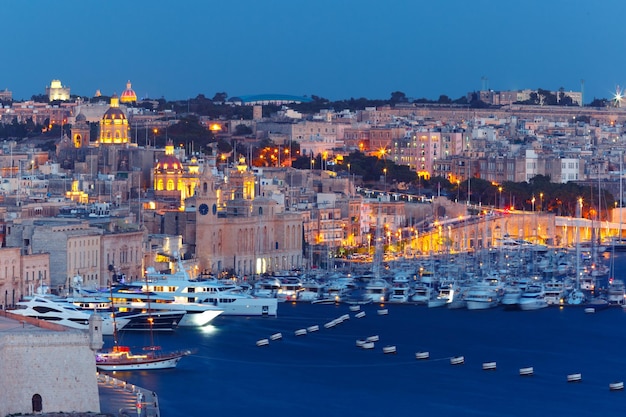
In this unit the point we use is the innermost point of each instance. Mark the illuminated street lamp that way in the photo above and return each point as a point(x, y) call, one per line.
point(541, 201)
point(533, 202)
point(385, 172)
point(500, 199)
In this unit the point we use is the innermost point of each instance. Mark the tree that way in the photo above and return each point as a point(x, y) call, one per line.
point(398, 97)
point(220, 97)
point(242, 130)
point(444, 99)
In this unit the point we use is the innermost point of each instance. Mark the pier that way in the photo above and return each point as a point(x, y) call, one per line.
point(122, 399)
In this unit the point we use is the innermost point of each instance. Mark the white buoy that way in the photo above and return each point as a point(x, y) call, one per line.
point(276, 336)
point(489, 366)
point(360, 314)
point(313, 328)
point(574, 377)
point(355, 307)
point(360, 342)
point(589, 310)
point(422, 355)
point(345, 317)
point(457, 360)
point(300, 332)
point(368, 345)
point(262, 342)
point(383, 312)
point(529, 370)
point(616, 386)
point(372, 339)
point(389, 349)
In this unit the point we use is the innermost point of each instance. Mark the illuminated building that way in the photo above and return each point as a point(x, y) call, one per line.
point(114, 125)
point(128, 96)
point(56, 91)
point(173, 181)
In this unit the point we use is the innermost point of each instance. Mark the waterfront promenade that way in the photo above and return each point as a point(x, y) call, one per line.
point(119, 398)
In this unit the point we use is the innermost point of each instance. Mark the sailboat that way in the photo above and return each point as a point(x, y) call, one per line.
point(120, 358)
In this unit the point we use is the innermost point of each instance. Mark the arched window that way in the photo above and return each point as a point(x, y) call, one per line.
point(170, 185)
point(160, 185)
point(204, 187)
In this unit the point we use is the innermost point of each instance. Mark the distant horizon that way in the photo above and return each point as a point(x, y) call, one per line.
point(210, 95)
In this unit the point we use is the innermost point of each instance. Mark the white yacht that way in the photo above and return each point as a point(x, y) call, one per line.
point(616, 293)
point(289, 289)
point(533, 298)
point(267, 288)
point(481, 297)
point(376, 291)
point(64, 313)
point(554, 292)
point(400, 291)
point(312, 290)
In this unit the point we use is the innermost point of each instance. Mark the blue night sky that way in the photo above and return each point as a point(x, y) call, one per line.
point(329, 48)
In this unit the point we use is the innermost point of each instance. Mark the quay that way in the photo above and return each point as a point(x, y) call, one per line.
point(121, 399)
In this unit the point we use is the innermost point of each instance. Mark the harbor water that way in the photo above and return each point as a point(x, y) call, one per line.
point(325, 372)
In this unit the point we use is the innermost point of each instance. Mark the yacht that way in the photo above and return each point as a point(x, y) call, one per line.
point(376, 291)
point(616, 293)
point(511, 297)
point(267, 288)
point(554, 292)
point(533, 298)
point(481, 297)
point(400, 290)
point(289, 289)
point(64, 313)
point(312, 290)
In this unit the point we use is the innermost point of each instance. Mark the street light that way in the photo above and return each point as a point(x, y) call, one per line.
point(500, 198)
point(533, 202)
point(541, 201)
point(385, 172)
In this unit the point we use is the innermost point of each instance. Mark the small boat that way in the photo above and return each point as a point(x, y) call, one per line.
point(276, 336)
point(372, 339)
point(616, 386)
point(383, 312)
point(360, 314)
point(527, 371)
point(120, 358)
point(389, 349)
point(368, 345)
point(313, 328)
point(300, 332)
point(574, 377)
point(262, 342)
point(489, 366)
point(422, 355)
point(457, 360)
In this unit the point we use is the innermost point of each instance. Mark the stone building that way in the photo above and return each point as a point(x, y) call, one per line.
point(114, 125)
point(21, 274)
point(240, 232)
point(46, 370)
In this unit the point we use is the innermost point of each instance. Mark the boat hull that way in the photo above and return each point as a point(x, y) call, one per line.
point(157, 363)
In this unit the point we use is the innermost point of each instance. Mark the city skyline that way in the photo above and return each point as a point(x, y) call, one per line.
point(337, 51)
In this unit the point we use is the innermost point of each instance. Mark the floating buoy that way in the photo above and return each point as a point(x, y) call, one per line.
point(313, 328)
point(422, 355)
point(368, 345)
point(526, 371)
point(574, 377)
point(276, 336)
point(372, 339)
point(262, 342)
point(389, 349)
point(345, 317)
point(330, 324)
point(489, 366)
point(383, 312)
point(590, 310)
point(457, 360)
point(360, 343)
point(616, 386)
point(360, 314)
point(300, 332)
point(355, 307)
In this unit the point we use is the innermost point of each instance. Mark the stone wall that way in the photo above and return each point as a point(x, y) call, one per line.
point(59, 366)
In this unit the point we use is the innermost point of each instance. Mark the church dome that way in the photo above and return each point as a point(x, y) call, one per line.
point(128, 96)
point(169, 163)
point(81, 118)
point(114, 112)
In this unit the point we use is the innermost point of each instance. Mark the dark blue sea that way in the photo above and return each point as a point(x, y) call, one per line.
point(324, 373)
